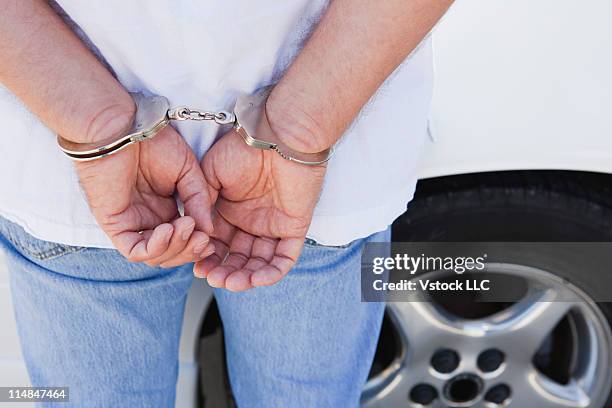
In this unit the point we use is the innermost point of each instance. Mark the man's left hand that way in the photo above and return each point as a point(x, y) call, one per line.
point(264, 206)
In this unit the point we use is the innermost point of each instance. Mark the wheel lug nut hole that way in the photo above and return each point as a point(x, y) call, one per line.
point(423, 394)
point(445, 361)
point(490, 360)
point(463, 388)
point(498, 394)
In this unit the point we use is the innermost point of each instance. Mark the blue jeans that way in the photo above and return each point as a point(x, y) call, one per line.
point(110, 329)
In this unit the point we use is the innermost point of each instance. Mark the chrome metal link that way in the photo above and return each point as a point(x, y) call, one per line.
point(184, 113)
point(153, 113)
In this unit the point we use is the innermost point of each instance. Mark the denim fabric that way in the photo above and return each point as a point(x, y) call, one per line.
point(109, 329)
point(307, 341)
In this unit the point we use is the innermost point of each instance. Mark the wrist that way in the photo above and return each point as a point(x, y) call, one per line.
point(110, 122)
point(294, 126)
point(107, 120)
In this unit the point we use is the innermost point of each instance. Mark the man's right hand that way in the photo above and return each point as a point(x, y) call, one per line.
point(131, 195)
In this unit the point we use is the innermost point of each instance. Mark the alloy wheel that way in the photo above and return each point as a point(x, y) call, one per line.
point(446, 359)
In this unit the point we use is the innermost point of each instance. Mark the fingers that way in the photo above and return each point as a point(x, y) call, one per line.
point(194, 193)
point(238, 255)
point(253, 261)
point(138, 247)
point(186, 245)
point(262, 253)
point(204, 266)
point(190, 241)
point(199, 247)
point(285, 256)
point(223, 235)
point(168, 245)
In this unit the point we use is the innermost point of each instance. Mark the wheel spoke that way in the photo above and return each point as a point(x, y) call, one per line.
point(423, 324)
point(524, 326)
point(538, 390)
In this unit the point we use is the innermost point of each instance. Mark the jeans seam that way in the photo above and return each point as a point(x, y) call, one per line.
point(314, 244)
point(56, 251)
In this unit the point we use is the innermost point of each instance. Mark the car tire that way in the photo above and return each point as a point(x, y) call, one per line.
point(526, 206)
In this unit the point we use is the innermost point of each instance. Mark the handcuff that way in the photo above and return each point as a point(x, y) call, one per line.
point(153, 113)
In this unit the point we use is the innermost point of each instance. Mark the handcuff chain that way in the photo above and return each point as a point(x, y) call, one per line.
point(184, 113)
point(280, 152)
point(153, 114)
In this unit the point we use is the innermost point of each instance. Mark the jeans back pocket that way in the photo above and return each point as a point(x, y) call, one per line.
point(33, 247)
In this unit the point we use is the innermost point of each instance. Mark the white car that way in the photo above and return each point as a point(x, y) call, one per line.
point(521, 150)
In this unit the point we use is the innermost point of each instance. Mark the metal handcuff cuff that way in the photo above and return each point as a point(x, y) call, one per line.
point(153, 113)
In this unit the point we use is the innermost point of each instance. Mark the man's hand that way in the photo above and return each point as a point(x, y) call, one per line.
point(131, 194)
point(264, 206)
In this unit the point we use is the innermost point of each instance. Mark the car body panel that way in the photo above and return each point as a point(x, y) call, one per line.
point(522, 85)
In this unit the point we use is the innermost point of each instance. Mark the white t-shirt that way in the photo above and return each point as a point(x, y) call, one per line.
point(203, 54)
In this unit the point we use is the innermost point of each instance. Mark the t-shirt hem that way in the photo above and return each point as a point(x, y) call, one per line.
point(325, 229)
point(82, 236)
point(332, 230)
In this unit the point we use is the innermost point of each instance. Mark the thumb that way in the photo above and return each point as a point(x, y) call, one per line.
point(212, 179)
point(194, 193)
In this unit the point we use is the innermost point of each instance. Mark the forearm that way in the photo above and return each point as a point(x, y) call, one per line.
point(355, 47)
point(48, 67)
